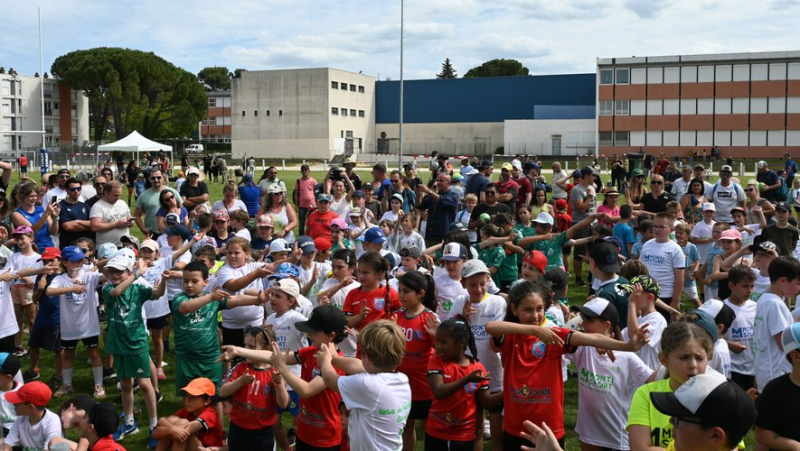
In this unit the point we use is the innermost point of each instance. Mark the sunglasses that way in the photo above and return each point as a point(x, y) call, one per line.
point(750, 190)
point(74, 189)
point(155, 178)
point(63, 176)
point(658, 227)
point(220, 221)
point(491, 193)
point(167, 199)
point(97, 184)
point(656, 183)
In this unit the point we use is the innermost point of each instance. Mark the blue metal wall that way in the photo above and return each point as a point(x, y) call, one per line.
point(487, 99)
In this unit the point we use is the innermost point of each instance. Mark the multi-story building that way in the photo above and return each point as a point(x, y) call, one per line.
point(747, 104)
point(302, 113)
point(66, 114)
point(216, 128)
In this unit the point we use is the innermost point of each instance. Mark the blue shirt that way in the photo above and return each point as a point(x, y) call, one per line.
point(42, 237)
point(139, 187)
point(624, 232)
point(259, 243)
point(476, 184)
point(49, 314)
point(713, 252)
point(441, 214)
point(71, 212)
point(249, 195)
point(692, 256)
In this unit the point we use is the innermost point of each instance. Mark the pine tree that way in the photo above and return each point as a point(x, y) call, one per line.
point(447, 70)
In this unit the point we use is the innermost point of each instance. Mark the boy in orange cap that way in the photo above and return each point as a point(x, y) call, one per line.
point(196, 424)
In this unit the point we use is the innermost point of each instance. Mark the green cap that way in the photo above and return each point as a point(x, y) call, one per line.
point(648, 283)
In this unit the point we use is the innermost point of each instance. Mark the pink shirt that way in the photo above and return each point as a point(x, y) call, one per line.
point(306, 190)
point(613, 213)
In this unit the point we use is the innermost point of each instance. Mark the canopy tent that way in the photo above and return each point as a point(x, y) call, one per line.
point(135, 142)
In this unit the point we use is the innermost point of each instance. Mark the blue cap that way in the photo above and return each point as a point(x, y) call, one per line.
point(373, 235)
point(247, 178)
point(358, 193)
point(73, 254)
point(306, 244)
point(106, 250)
point(615, 241)
point(179, 230)
point(285, 270)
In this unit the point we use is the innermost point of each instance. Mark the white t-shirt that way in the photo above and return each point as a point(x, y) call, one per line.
point(415, 239)
point(447, 290)
point(8, 323)
point(608, 387)
point(725, 198)
point(649, 353)
point(761, 286)
point(220, 205)
point(87, 192)
point(340, 207)
point(747, 237)
point(772, 317)
point(741, 331)
point(662, 259)
point(721, 360)
point(7, 412)
point(56, 192)
point(79, 311)
point(349, 345)
point(379, 405)
point(111, 213)
point(151, 278)
point(19, 261)
point(703, 230)
point(35, 436)
point(491, 308)
point(287, 336)
point(307, 274)
point(246, 315)
point(389, 216)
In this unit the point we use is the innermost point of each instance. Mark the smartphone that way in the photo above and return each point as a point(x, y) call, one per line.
point(54, 200)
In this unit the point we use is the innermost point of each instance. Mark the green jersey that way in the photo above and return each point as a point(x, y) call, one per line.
point(493, 256)
point(552, 250)
point(345, 242)
point(126, 328)
point(524, 231)
point(618, 297)
point(196, 332)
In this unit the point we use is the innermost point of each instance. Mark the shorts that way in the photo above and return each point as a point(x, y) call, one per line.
point(136, 366)
point(158, 323)
point(24, 169)
point(303, 446)
point(7, 344)
point(691, 291)
point(439, 444)
point(88, 342)
point(709, 293)
point(746, 381)
point(234, 337)
point(419, 409)
point(514, 442)
point(187, 369)
point(565, 250)
point(294, 405)
point(582, 233)
point(47, 338)
point(26, 300)
point(239, 438)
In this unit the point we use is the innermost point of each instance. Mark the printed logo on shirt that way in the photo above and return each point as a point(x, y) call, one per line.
point(741, 333)
point(447, 305)
point(653, 259)
point(539, 349)
point(379, 303)
point(312, 419)
point(526, 395)
point(412, 335)
point(597, 382)
point(471, 387)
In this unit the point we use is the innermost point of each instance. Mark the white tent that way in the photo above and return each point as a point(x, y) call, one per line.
point(135, 142)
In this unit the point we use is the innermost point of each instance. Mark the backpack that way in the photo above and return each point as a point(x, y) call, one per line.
point(736, 189)
point(780, 194)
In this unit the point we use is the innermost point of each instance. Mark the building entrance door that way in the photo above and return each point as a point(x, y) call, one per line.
point(556, 146)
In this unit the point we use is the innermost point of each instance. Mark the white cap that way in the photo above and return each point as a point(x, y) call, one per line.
point(193, 170)
point(761, 164)
point(121, 263)
point(790, 338)
point(278, 245)
point(708, 206)
point(544, 218)
point(472, 267)
point(127, 253)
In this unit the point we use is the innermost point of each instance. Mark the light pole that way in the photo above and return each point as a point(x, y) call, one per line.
point(400, 150)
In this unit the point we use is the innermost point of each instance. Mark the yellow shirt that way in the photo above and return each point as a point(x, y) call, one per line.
point(644, 413)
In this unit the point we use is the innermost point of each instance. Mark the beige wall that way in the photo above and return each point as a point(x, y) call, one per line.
point(453, 138)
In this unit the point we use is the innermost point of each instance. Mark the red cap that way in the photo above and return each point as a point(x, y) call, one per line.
point(537, 259)
point(50, 253)
point(36, 393)
point(200, 386)
point(561, 204)
point(322, 244)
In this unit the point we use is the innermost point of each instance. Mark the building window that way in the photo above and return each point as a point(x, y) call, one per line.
point(353, 88)
point(353, 113)
point(361, 89)
point(255, 113)
point(334, 111)
point(606, 107)
point(623, 76)
point(360, 113)
point(622, 138)
point(344, 86)
point(344, 111)
point(606, 138)
point(280, 112)
point(48, 108)
point(267, 112)
point(242, 113)
point(623, 107)
point(606, 76)
point(212, 102)
point(334, 85)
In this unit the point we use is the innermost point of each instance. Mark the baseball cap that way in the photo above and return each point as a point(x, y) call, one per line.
point(180, 231)
point(324, 198)
point(130, 239)
point(193, 170)
point(699, 166)
point(23, 230)
point(358, 193)
point(322, 243)
point(9, 364)
point(600, 308)
point(53, 252)
point(708, 206)
point(274, 189)
point(397, 197)
point(486, 164)
point(36, 393)
point(790, 338)
point(70, 253)
point(614, 240)
point(306, 244)
point(288, 286)
point(779, 206)
point(738, 210)
point(172, 218)
point(726, 168)
point(648, 283)
point(220, 215)
point(561, 204)
point(200, 386)
point(704, 320)
point(374, 235)
point(355, 211)
point(721, 312)
point(711, 400)
point(247, 177)
point(507, 167)
point(457, 178)
point(149, 244)
point(106, 250)
point(544, 218)
point(121, 263)
point(637, 173)
point(731, 234)
point(763, 246)
point(323, 318)
point(338, 222)
point(285, 270)
point(63, 171)
point(410, 251)
point(577, 173)
point(557, 278)
point(278, 245)
point(126, 252)
point(473, 267)
point(454, 251)
point(516, 164)
point(604, 255)
point(265, 220)
point(586, 170)
point(536, 259)
point(761, 164)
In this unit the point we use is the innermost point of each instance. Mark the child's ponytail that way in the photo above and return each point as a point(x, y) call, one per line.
point(459, 328)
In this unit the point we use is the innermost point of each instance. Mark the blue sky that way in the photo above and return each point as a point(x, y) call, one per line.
point(548, 36)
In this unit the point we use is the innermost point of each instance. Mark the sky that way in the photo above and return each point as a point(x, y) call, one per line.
point(547, 36)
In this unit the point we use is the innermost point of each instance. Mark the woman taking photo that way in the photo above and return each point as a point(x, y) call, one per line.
point(282, 213)
point(635, 190)
point(692, 202)
point(42, 219)
point(169, 204)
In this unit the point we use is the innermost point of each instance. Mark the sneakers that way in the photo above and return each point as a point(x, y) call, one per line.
point(20, 352)
point(54, 382)
point(159, 396)
point(63, 391)
point(135, 385)
point(151, 442)
point(291, 436)
point(487, 429)
point(160, 374)
point(579, 282)
point(125, 430)
point(109, 373)
point(101, 315)
point(30, 375)
point(99, 391)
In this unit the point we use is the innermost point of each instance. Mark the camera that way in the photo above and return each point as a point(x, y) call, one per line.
point(336, 173)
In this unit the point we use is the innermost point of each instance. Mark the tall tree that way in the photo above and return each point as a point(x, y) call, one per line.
point(137, 90)
point(447, 70)
point(498, 68)
point(216, 78)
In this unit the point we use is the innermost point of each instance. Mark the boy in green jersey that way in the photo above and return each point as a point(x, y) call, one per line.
point(127, 337)
point(550, 244)
point(194, 317)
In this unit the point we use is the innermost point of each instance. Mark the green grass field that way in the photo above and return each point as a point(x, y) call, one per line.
point(171, 403)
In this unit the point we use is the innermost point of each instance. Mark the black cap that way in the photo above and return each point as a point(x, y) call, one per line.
point(486, 164)
point(443, 156)
point(324, 318)
point(9, 363)
point(605, 255)
point(586, 170)
point(557, 278)
point(783, 206)
point(179, 230)
point(63, 171)
point(104, 418)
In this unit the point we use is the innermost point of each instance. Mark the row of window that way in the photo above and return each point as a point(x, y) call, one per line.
point(701, 138)
point(224, 102)
point(255, 113)
point(742, 105)
point(344, 86)
point(218, 120)
point(700, 74)
point(343, 112)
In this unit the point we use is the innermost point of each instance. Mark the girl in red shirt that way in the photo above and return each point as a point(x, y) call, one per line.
point(456, 381)
point(371, 301)
point(417, 293)
point(531, 349)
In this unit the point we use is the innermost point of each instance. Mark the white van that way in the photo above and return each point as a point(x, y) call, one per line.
point(194, 148)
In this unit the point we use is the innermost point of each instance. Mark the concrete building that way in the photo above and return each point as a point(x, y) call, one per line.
point(216, 128)
point(748, 104)
point(476, 116)
point(66, 114)
point(302, 113)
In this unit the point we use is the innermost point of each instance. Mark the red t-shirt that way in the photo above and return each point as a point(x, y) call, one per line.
point(319, 423)
point(319, 224)
point(107, 444)
point(563, 220)
point(211, 434)
point(23, 161)
point(525, 188)
point(569, 197)
point(253, 406)
point(453, 418)
point(533, 388)
point(376, 302)
point(419, 348)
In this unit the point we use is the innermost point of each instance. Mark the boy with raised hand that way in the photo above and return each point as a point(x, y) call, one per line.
point(776, 424)
point(772, 318)
point(666, 262)
point(739, 336)
point(96, 427)
point(35, 427)
point(127, 337)
point(551, 244)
